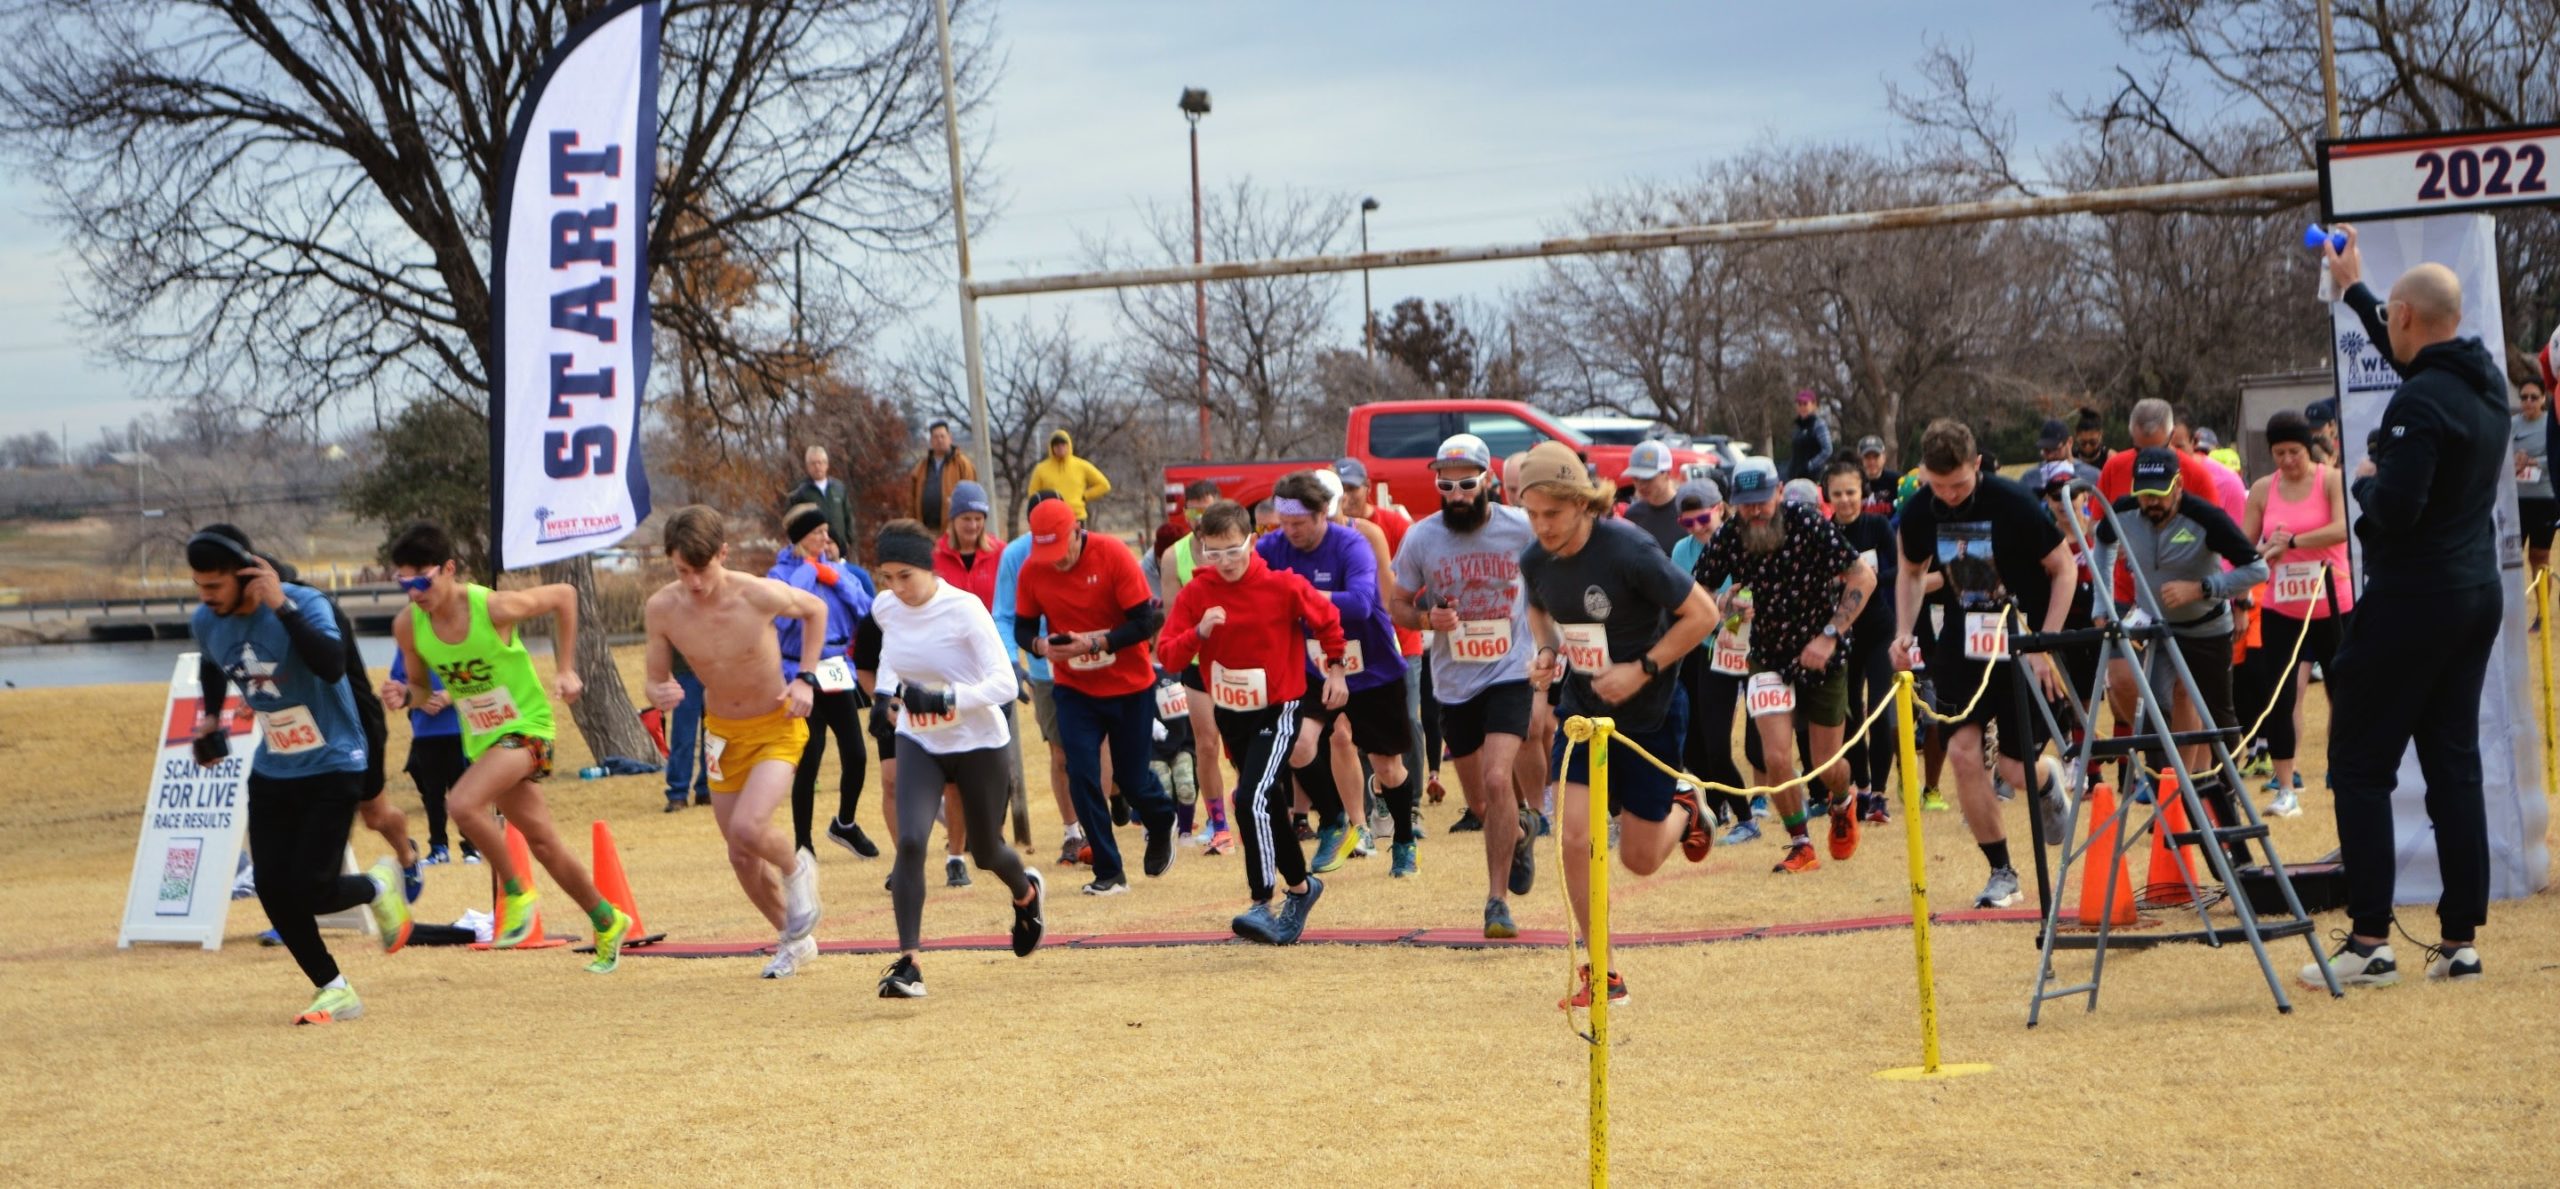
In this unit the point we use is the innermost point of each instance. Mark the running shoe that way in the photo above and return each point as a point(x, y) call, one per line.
point(390, 911)
point(903, 980)
point(1404, 860)
point(1159, 850)
point(515, 919)
point(2287, 804)
point(333, 1005)
point(1742, 832)
point(1760, 806)
point(470, 856)
point(2001, 892)
point(437, 856)
point(1306, 833)
point(1816, 808)
point(2055, 809)
point(271, 939)
point(1200, 838)
point(1871, 809)
point(955, 872)
point(2375, 969)
point(1844, 833)
point(1932, 802)
point(800, 896)
point(1524, 857)
point(850, 836)
point(1294, 909)
point(1799, 859)
point(2000, 788)
point(1222, 843)
point(1084, 852)
point(413, 884)
point(2458, 964)
point(2261, 760)
point(1581, 996)
point(1070, 851)
point(1497, 921)
point(790, 956)
point(1467, 822)
point(609, 943)
point(1330, 848)
point(1028, 927)
point(1257, 924)
point(675, 803)
point(1366, 843)
point(1695, 840)
point(1106, 887)
point(1546, 820)
point(1119, 810)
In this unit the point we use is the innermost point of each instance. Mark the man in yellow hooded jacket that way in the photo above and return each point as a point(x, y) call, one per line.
point(1074, 479)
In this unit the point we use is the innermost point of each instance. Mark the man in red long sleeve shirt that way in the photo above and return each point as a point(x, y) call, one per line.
point(1249, 624)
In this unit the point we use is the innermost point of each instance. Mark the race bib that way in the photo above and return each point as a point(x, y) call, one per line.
point(489, 713)
point(712, 746)
point(1481, 640)
point(1353, 660)
point(1239, 689)
point(1093, 662)
point(1770, 694)
point(1986, 635)
point(2529, 473)
point(926, 724)
point(1732, 656)
point(835, 675)
point(1173, 702)
point(1586, 647)
point(1868, 556)
point(2297, 582)
point(291, 731)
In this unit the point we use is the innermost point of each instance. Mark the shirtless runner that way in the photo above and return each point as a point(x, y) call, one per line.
point(754, 723)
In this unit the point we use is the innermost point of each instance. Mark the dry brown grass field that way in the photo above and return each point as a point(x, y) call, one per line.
point(1737, 1062)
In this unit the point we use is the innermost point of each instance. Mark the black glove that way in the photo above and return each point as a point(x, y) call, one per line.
point(1021, 685)
point(926, 699)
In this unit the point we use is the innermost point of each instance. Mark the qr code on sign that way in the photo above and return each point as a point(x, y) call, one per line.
point(178, 868)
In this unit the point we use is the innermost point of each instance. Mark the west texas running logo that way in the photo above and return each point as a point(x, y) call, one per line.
point(1596, 601)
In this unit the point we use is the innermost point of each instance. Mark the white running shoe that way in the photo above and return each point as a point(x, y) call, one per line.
point(2377, 969)
point(2001, 892)
point(800, 897)
point(789, 956)
point(2460, 964)
point(2286, 804)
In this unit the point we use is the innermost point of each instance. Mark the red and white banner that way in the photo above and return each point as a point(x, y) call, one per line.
point(569, 296)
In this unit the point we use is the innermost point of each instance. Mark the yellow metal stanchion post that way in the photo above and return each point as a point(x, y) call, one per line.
point(1601, 731)
point(1906, 717)
point(2550, 727)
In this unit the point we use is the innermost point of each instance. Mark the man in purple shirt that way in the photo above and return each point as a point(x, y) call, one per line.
point(1338, 562)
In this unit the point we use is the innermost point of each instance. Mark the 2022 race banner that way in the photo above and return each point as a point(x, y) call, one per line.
point(570, 296)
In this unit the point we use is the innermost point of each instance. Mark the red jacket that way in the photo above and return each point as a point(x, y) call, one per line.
point(1270, 616)
point(978, 579)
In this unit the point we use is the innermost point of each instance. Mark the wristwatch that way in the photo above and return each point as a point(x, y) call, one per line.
point(1831, 632)
point(1646, 663)
point(811, 678)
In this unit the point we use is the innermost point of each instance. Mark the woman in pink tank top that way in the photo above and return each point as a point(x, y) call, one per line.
point(2298, 516)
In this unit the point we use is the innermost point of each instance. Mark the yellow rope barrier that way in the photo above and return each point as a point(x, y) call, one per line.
point(2540, 590)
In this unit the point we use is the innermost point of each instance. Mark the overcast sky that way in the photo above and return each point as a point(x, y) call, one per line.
point(1479, 122)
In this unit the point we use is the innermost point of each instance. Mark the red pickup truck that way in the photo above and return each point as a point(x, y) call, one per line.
point(1396, 439)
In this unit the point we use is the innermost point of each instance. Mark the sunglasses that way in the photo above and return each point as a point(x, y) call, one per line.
point(2158, 494)
point(418, 585)
point(1696, 519)
point(1454, 486)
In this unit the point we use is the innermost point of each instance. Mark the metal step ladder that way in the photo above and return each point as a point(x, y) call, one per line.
point(2154, 733)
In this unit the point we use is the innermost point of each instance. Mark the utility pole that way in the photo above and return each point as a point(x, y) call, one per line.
point(1195, 104)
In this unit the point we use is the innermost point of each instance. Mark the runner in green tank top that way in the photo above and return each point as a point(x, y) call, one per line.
point(468, 636)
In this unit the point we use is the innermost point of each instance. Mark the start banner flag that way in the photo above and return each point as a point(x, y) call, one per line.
point(569, 295)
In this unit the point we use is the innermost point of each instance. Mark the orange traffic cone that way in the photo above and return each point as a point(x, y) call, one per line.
point(614, 885)
point(2170, 874)
point(520, 855)
point(2101, 855)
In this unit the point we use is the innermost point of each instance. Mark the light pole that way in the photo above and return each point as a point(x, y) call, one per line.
point(1368, 312)
point(1195, 104)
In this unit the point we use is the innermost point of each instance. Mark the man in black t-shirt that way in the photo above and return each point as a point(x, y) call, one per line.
point(1613, 618)
point(2006, 568)
point(1807, 587)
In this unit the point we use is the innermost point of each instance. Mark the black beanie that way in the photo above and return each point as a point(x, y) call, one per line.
point(2288, 426)
point(905, 547)
point(805, 523)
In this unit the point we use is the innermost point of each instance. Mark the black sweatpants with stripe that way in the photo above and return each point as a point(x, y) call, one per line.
point(1258, 742)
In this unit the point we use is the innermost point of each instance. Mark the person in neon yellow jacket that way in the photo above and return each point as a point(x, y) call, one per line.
point(1075, 480)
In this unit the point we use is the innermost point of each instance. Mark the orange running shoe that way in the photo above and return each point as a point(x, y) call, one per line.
point(1844, 830)
point(1699, 838)
point(1799, 859)
point(1581, 996)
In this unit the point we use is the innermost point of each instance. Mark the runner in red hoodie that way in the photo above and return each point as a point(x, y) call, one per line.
point(1249, 624)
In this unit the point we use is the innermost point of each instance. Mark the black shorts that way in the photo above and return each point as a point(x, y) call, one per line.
point(1953, 679)
point(2208, 660)
point(1635, 787)
point(2317, 648)
point(1380, 725)
point(1192, 680)
point(435, 763)
point(2538, 514)
point(1502, 709)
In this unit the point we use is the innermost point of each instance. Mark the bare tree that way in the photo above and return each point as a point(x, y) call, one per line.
point(30, 451)
point(1264, 332)
point(1039, 377)
point(291, 201)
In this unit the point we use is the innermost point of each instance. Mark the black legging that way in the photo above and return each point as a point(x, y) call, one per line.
point(828, 713)
point(2274, 678)
point(1430, 719)
point(1707, 750)
point(984, 796)
point(1871, 680)
point(298, 844)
